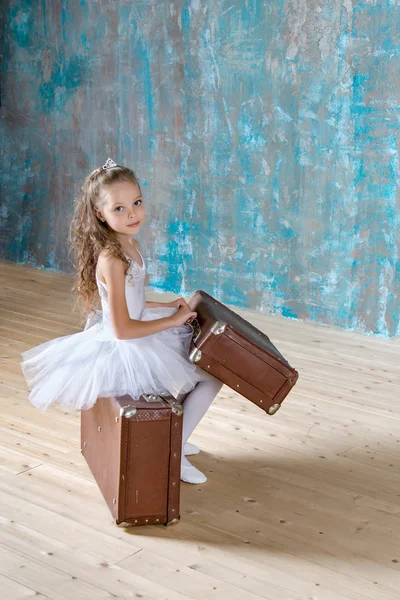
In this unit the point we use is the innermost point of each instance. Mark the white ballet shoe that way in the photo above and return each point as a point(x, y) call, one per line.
point(190, 474)
point(190, 449)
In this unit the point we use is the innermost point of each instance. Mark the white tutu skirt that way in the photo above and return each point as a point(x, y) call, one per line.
point(74, 370)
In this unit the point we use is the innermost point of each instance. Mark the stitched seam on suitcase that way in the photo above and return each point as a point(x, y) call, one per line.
point(123, 473)
point(168, 498)
point(174, 468)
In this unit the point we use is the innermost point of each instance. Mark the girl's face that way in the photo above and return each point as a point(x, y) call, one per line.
point(123, 208)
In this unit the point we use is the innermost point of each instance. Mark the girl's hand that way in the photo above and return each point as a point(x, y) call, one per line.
point(178, 303)
point(182, 315)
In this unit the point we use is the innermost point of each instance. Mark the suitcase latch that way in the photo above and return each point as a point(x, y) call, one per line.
point(176, 407)
point(218, 328)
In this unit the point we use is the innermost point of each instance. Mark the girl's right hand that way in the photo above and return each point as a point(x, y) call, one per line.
point(182, 315)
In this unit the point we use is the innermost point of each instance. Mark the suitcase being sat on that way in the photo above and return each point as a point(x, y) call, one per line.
point(133, 448)
point(238, 354)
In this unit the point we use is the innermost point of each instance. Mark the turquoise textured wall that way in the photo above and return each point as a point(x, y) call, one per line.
point(265, 134)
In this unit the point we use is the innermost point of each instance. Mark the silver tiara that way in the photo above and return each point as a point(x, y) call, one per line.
point(109, 163)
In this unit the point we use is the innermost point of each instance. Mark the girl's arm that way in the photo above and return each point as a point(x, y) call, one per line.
point(155, 304)
point(175, 303)
point(125, 328)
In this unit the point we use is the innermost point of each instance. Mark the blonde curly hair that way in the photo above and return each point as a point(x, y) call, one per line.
point(89, 236)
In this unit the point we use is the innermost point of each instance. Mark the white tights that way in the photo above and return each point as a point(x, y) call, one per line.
point(198, 401)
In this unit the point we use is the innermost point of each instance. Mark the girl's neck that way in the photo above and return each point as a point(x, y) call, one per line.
point(126, 241)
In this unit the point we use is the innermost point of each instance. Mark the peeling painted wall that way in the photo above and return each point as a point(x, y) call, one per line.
point(265, 135)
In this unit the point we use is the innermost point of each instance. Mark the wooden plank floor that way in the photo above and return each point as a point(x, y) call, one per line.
point(300, 506)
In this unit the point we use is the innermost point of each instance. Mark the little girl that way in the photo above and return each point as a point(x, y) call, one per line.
point(136, 347)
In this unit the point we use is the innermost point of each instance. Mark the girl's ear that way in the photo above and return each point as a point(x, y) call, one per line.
point(100, 216)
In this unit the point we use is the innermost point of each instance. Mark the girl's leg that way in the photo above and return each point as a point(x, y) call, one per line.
point(195, 405)
point(198, 401)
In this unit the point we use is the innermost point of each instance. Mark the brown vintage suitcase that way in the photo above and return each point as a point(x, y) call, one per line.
point(133, 448)
point(238, 354)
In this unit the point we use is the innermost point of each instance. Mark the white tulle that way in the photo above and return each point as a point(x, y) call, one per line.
point(76, 369)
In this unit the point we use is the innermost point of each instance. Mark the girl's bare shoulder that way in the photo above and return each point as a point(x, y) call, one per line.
point(108, 264)
point(106, 257)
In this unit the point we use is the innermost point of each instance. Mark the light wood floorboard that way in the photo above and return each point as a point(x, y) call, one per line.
point(300, 506)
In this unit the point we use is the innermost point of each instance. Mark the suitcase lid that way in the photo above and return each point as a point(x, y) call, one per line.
point(202, 301)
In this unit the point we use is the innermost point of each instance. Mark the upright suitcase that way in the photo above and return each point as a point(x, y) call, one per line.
point(238, 354)
point(133, 448)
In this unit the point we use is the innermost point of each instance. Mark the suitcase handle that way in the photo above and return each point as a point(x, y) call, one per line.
point(196, 328)
point(176, 407)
